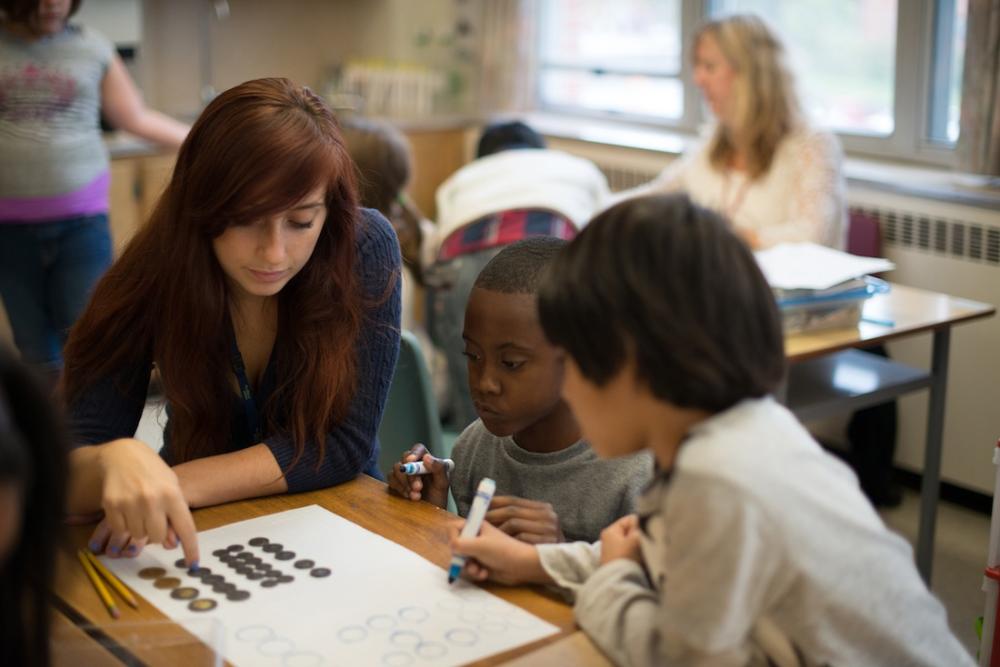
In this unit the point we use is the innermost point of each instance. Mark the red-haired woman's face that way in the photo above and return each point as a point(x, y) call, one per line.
point(261, 257)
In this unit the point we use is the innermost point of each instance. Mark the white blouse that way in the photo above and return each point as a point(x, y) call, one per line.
point(800, 198)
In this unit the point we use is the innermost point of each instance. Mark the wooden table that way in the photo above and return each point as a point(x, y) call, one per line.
point(420, 527)
point(828, 375)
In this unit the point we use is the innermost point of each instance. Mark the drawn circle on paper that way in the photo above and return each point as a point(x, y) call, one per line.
point(431, 650)
point(405, 638)
point(381, 622)
point(493, 626)
point(151, 573)
point(302, 659)
point(254, 633)
point(397, 659)
point(275, 646)
point(473, 615)
point(449, 604)
point(461, 637)
point(414, 614)
point(352, 634)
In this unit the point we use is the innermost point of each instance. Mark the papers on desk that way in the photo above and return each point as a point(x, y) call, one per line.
point(807, 266)
point(374, 603)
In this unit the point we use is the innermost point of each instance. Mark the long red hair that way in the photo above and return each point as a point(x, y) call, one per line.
point(256, 150)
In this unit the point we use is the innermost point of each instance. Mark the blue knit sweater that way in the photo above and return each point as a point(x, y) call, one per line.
point(112, 406)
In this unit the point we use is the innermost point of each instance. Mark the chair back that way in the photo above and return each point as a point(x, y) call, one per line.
point(864, 236)
point(410, 414)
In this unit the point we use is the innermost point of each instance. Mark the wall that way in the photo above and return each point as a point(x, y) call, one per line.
point(185, 45)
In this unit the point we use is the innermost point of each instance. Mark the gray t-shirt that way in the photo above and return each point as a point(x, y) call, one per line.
point(50, 98)
point(587, 492)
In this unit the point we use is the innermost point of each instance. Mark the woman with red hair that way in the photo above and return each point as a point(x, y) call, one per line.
point(267, 300)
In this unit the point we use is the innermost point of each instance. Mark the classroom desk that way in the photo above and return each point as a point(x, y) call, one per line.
point(420, 527)
point(828, 375)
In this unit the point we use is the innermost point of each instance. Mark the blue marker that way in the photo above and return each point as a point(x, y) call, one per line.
point(481, 503)
point(418, 467)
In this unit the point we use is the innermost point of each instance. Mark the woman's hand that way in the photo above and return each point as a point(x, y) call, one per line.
point(527, 520)
point(143, 503)
point(432, 487)
point(495, 555)
point(621, 540)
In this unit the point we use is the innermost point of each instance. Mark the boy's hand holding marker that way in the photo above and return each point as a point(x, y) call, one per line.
point(431, 484)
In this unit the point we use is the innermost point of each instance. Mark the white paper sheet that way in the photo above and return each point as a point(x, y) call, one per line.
point(810, 266)
point(381, 605)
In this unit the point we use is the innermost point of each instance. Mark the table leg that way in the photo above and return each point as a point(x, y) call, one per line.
point(930, 487)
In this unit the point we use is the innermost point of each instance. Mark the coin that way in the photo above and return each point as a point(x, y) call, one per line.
point(167, 582)
point(285, 555)
point(213, 579)
point(269, 583)
point(273, 548)
point(233, 548)
point(254, 576)
point(202, 604)
point(185, 593)
point(237, 596)
point(224, 588)
point(286, 578)
point(321, 572)
point(258, 541)
point(244, 555)
point(272, 574)
point(304, 564)
point(151, 572)
point(200, 573)
point(219, 553)
point(181, 563)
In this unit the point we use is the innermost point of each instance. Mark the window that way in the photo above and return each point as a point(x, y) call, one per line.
point(885, 74)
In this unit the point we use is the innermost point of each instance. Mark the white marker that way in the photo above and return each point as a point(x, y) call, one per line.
point(418, 467)
point(484, 495)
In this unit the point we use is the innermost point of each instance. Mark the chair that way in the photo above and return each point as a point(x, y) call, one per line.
point(410, 414)
point(864, 236)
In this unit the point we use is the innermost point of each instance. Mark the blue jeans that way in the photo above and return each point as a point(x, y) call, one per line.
point(47, 272)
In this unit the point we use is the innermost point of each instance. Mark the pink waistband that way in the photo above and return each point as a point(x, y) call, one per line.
point(88, 200)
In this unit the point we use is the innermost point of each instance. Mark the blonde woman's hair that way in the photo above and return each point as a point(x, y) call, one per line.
point(765, 103)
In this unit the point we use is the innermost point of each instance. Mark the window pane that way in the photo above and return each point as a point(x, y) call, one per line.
point(636, 95)
point(627, 35)
point(946, 76)
point(844, 54)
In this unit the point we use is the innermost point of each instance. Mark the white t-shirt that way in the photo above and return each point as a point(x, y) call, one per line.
point(520, 178)
point(800, 198)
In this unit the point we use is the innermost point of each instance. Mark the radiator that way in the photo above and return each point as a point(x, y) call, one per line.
point(944, 247)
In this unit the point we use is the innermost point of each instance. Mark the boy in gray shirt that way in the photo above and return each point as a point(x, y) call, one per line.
point(551, 487)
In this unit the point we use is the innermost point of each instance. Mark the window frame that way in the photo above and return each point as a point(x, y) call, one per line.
point(910, 140)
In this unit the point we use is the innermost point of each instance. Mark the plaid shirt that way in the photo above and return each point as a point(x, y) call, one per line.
point(504, 228)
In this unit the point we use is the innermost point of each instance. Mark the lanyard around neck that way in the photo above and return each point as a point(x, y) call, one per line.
point(246, 394)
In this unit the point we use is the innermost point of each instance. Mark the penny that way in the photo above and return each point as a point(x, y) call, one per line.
point(285, 555)
point(219, 553)
point(233, 548)
point(321, 572)
point(200, 573)
point(167, 582)
point(244, 570)
point(181, 563)
point(202, 604)
point(273, 548)
point(269, 583)
point(237, 596)
point(151, 573)
point(286, 578)
point(185, 593)
point(244, 555)
point(213, 579)
point(224, 588)
point(304, 564)
point(258, 541)
point(254, 576)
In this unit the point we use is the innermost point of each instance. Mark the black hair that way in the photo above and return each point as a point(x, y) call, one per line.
point(518, 268)
point(33, 458)
point(22, 11)
point(506, 135)
point(666, 283)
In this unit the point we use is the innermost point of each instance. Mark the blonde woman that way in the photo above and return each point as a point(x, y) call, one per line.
point(775, 177)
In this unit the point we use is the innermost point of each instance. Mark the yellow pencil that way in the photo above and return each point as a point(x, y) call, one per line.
point(98, 586)
point(109, 576)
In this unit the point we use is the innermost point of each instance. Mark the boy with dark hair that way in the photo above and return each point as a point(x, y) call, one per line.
point(751, 542)
point(550, 484)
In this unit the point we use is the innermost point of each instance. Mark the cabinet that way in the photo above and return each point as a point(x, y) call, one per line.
point(136, 185)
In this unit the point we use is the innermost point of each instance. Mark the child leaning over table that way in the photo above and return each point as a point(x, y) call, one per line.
point(751, 541)
point(550, 485)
